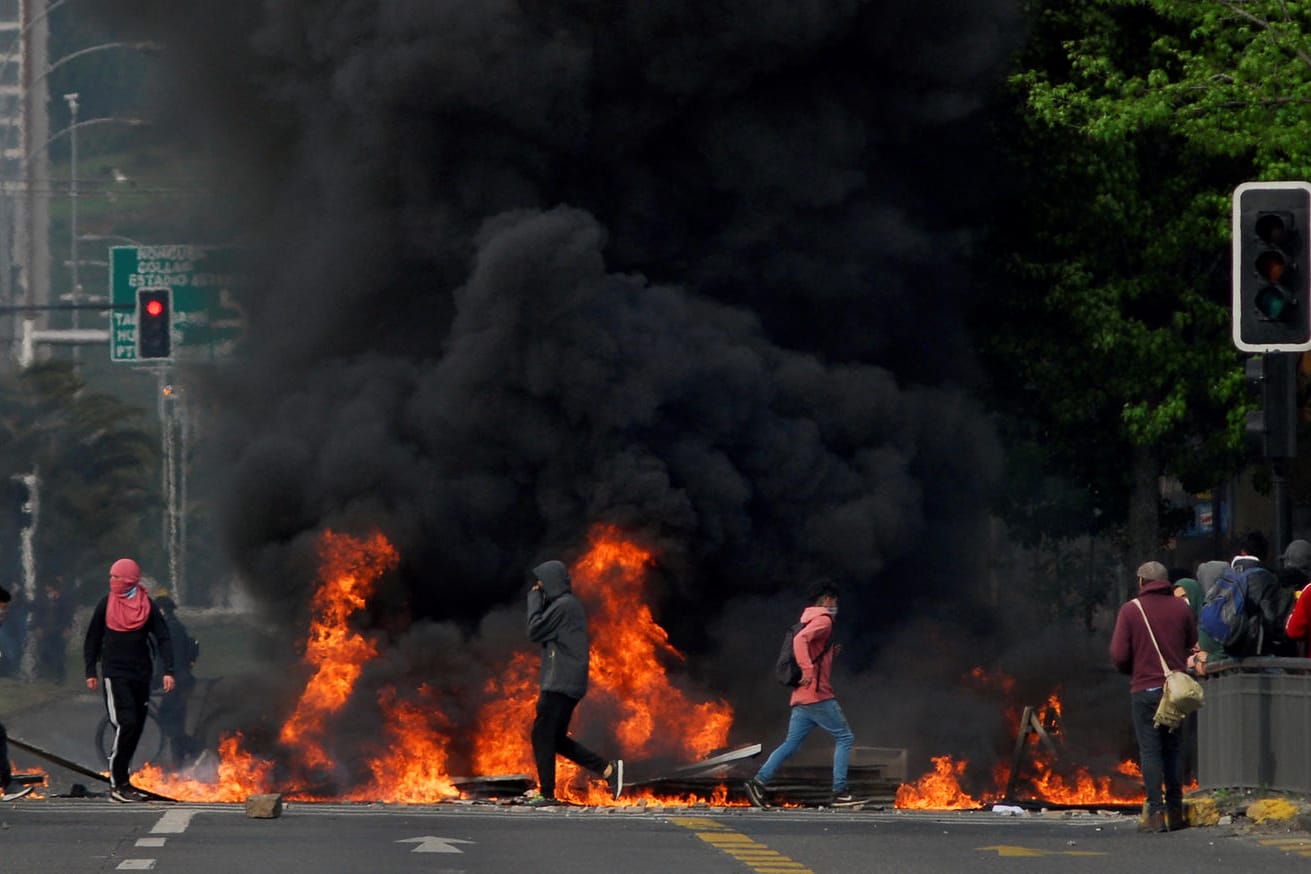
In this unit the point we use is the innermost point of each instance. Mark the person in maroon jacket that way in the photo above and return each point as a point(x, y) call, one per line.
point(1132, 652)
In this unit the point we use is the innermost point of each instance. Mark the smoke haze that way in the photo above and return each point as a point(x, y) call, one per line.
point(691, 269)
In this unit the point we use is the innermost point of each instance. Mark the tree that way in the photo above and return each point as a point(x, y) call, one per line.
point(1108, 321)
point(98, 469)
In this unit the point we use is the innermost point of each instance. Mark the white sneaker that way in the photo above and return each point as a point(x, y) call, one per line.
point(15, 794)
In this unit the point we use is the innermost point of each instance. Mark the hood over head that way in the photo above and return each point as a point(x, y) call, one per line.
point(1298, 555)
point(1208, 572)
point(555, 578)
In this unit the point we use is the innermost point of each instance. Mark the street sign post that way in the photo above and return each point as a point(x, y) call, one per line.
point(207, 321)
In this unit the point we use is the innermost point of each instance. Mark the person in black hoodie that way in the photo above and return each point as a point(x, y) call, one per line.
point(557, 621)
point(117, 639)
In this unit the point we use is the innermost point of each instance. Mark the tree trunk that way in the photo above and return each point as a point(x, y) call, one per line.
point(1144, 533)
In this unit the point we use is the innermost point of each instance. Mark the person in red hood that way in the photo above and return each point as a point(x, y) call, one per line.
point(813, 702)
point(117, 639)
point(1133, 652)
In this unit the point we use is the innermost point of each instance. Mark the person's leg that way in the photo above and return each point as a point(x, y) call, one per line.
point(1143, 705)
point(828, 715)
point(799, 725)
point(5, 775)
point(551, 723)
point(172, 716)
point(126, 703)
point(1172, 756)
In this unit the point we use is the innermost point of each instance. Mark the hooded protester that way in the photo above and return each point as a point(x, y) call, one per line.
point(172, 712)
point(1297, 627)
point(1137, 649)
point(118, 640)
point(557, 621)
point(6, 776)
point(814, 704)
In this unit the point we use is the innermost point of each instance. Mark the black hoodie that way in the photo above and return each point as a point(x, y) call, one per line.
point(557, 621)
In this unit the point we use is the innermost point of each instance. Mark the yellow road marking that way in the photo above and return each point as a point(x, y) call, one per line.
point(750, 852)
point(1300, 846)
point(1014, 852)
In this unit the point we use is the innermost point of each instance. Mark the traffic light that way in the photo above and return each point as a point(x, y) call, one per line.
point(1271, 242)
point(154, 323)
point(1274, 427)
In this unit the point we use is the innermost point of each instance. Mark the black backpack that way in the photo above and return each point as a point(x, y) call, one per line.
point(786, 669)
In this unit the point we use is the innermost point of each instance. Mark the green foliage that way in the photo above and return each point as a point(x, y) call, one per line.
point(1107, 324)
point(98, 470)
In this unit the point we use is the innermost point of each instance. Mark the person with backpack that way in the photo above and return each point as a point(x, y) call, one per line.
point(1297, 628)
point(172, 712)
point(813, 702)
point(557, 621)
point(118, 641)
point(1294, 574)
point(1241, 611)
point(1153, 627)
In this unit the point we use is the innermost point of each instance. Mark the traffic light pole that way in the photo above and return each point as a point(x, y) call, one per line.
point(1283, 507)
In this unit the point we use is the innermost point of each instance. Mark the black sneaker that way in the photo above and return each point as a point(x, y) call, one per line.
point(126, 795)
point(756, 792)
point(12, 793)
point(616, 779)
point(843, 799)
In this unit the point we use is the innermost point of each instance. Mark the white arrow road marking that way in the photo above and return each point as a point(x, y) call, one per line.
point(430, 844)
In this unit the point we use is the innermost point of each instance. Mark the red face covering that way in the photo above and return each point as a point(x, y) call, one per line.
point(128, 608)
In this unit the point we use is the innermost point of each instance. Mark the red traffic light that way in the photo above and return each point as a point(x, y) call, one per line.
point(154, 308)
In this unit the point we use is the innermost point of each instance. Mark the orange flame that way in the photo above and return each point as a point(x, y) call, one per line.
point(653, 717)
point(352, 571)
point(1042, 777)
point(410, 761)
point(939, 789)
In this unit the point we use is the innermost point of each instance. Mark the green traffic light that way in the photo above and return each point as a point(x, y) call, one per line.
point(1273, 304)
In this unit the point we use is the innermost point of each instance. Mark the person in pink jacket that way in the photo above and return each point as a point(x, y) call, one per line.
point(813, 702)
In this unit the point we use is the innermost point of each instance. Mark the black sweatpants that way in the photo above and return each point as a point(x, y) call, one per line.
point(126, 701)
point(551, 738)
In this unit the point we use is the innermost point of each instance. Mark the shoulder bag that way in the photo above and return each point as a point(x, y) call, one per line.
point(1181, 694)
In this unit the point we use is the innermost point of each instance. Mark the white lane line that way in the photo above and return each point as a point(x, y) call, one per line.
point(136, 865)
point(174, 822)
point(151, 842)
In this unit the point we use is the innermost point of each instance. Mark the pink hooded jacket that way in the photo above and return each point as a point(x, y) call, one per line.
point(809, 643)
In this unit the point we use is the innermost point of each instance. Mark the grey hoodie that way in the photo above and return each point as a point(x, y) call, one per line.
point(557, 621)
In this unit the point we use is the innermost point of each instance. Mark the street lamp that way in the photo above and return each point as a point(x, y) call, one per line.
point(76, 289)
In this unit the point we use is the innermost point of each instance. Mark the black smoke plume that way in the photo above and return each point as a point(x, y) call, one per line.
point(691, 269)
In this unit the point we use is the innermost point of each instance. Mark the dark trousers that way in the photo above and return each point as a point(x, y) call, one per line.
point(172, 716)
point(551, 738)
point(5, 775)
point(1160, 753)
point(126, 701)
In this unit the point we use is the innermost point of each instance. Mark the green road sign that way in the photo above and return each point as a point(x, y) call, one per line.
point(207, 321)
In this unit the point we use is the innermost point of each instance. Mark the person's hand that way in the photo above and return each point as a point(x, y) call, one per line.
point(805, 681)
point(169, 683)
point(91, 683)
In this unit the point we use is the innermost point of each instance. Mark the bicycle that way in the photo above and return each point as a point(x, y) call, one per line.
point(151, 746)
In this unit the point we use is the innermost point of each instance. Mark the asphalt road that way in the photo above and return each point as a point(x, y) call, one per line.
point(85, 835)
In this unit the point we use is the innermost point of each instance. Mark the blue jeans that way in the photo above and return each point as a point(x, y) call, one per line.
point(1160, 753)
point(826, 715)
